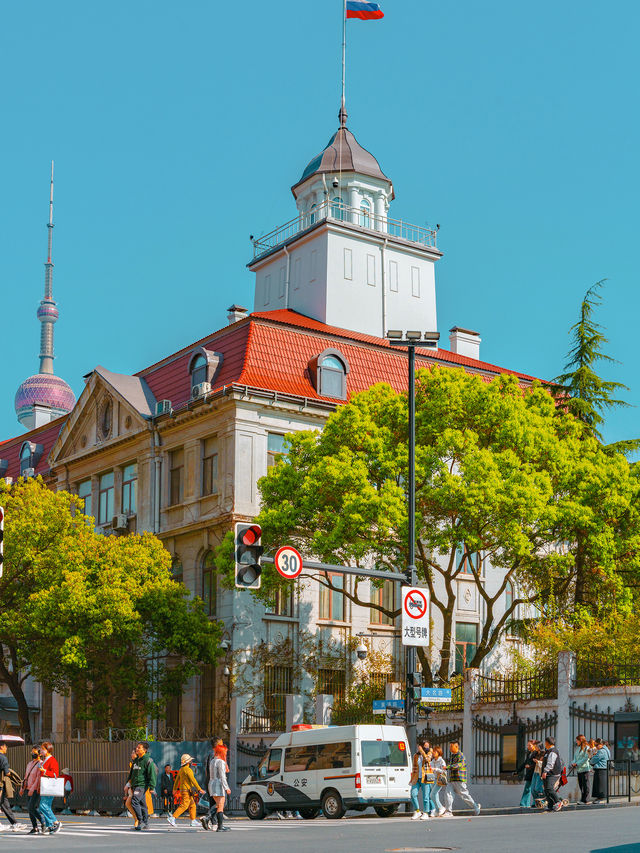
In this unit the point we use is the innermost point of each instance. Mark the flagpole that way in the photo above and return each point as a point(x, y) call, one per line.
point(344, 45)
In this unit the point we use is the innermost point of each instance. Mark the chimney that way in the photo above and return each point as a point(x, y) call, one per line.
point(236, 312)
point(464, 342)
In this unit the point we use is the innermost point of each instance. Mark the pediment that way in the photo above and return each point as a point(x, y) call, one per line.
point(111, 407)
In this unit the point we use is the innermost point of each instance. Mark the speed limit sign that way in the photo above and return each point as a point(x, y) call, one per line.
point(288, 562)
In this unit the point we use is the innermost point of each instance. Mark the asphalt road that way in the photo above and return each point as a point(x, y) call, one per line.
point(603, 830)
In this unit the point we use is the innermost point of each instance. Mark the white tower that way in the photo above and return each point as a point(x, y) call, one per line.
point(343, 261)
point(44, 396)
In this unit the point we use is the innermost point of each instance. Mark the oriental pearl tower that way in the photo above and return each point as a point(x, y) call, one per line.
point(43, 397)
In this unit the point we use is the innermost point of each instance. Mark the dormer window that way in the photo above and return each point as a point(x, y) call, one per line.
point(365, 213)
point(198, 371)
point(30, 454)
point(329, 373)
point(203, 366)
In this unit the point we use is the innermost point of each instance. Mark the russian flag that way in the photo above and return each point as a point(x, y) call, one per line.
point(366, 10)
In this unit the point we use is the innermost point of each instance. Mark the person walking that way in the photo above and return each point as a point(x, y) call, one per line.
point(68, 789)
point(186, 785)
point(142, 778)
point(582, 763)
point(421, 771)
point(49, 769)
point(527, 800)
point(166, 789)
point(457, 770)
point(551, 772)
point(600, 763)
point(8, 778)
point(218, 787)
point(31, 787)
point(439, 766)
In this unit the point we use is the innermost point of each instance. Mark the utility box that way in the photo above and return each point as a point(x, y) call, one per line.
point(627, 738)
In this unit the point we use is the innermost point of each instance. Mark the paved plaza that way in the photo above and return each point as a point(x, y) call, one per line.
point(604, 830)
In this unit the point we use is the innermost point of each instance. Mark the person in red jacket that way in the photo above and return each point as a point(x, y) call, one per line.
point(68, 788)
point(51, 770)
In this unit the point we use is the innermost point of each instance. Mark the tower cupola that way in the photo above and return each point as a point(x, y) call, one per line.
point(345, 174)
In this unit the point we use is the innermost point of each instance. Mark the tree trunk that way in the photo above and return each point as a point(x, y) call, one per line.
point(12, 680)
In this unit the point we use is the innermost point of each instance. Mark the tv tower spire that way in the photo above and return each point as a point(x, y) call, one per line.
point(48, 312)
point(44, 396)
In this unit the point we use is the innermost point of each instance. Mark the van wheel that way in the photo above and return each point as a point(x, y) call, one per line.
point(332, 805)
point(254, 807)
point(385, 811)
point(309, 814)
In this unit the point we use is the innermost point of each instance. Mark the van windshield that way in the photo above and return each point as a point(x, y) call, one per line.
point(386, 753)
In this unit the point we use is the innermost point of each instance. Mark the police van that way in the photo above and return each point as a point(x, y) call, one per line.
point(333, 768)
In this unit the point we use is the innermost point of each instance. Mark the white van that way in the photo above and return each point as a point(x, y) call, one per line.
point(333, 768)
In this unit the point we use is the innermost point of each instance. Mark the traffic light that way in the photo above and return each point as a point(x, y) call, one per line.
point(414, 683)
point(248, 554)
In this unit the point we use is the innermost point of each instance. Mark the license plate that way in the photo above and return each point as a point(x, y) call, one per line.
point(374, 780)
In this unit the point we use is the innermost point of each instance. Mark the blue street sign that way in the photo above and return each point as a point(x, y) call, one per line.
point(381, 705)
point(435, 694)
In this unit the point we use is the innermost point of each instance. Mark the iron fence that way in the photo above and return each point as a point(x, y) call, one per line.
point(253, 722)
point(605, 673)
point(488, 732)
point(512, 688)
point(439, 736)
point(591, 722)
point(619, 780)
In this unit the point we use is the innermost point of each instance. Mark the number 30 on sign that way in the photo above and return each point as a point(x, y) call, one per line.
point(288, 562)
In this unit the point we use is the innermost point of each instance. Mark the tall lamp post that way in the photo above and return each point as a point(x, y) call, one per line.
point(411, 340)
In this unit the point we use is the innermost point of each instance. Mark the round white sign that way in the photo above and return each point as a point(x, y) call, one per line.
point(288, 562)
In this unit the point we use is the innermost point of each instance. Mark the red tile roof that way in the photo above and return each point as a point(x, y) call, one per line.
point(271, 351)
point(45, 435)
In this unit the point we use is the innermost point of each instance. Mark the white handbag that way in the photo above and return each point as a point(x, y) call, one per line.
point(50, 787)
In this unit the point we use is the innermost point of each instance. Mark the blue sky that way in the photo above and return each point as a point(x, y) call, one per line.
point(177, 130)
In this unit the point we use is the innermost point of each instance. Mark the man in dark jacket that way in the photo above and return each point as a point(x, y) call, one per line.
point(551, 772)
point(6, 790)
point(166, 789)
point(143, 777)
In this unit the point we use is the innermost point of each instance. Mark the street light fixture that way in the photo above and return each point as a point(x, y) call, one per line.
point(411, 340)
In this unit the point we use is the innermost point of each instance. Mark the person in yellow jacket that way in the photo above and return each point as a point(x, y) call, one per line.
point(187, 786)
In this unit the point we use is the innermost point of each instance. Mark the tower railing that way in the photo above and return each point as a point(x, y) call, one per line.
point(340, 212)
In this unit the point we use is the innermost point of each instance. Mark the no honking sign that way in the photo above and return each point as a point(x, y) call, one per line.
point(415, 616)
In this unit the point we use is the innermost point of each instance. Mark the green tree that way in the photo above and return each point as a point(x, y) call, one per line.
point(97, 615)
point(500, 476)
point(580, 388)
point(588, 397)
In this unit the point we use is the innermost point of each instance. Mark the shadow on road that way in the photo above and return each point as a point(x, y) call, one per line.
point(621, 848)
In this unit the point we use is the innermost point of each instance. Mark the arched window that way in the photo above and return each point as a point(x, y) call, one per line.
point(176, 570)
point(198, 370)
point(332, 381)
point(209, 583)
point(365, 213)
point(312, 211)
point(337, 208)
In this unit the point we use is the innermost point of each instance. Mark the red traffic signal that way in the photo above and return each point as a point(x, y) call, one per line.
point(250, 535)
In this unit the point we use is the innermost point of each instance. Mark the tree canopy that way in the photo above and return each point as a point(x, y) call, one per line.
point(502, 479)
point(97, 615)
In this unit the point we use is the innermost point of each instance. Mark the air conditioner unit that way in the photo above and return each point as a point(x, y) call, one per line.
point(200, 390)
point(28, 472)
point(163, 407)
point(119, 522)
